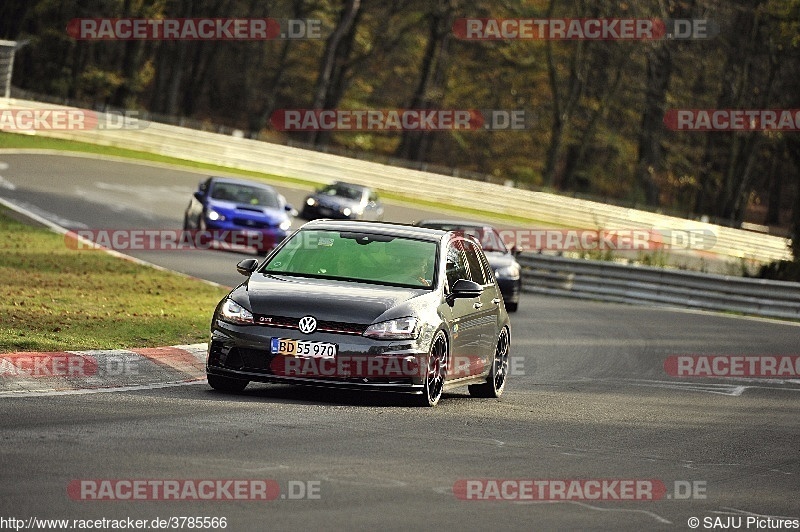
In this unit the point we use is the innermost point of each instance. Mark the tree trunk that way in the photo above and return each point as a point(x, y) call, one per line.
point(564, 101)
point(609, 89)
point(793, 147)
point(128, 66)
point(775, 192)
point(414, 145)
point(335, 48)
point(651, 156)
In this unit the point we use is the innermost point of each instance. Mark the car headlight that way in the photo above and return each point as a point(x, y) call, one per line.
point(399, 329)
point(311, 202)
point(214, 216)
point(511, 271)
point(285, 225)
point(235, 313)
point(346, 211)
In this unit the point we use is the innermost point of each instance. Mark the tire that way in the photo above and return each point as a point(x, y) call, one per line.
point(512, 307)
point(496, 381)
point(435, 372)
point(226, 384)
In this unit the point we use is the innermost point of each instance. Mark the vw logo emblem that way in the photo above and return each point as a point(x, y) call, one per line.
point(307, 324)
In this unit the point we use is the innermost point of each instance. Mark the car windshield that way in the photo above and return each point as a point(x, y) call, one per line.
point(344, 191)
point(357, 256)
point(489, 238)
point(245, 194)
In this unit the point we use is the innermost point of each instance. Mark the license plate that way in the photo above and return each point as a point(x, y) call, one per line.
point(325, 212)
point(302, 348)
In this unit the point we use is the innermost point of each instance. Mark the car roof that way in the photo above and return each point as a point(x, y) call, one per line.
point(346, 184)
point(457, 223)
point(235, 181)
point(382, 228)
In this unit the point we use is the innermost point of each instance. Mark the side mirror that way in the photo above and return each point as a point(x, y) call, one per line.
point(291, 210)
point(247, 266)
point(516, 251)
point(464, 289)
point(198, 195)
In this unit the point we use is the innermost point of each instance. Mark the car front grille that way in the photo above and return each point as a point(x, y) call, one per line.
point(256, 359)
point(256, 224)
point(336, 327)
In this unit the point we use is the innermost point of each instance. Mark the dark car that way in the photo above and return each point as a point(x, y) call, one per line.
point(239, 211)
point(343, 201)
point(366, 305)
point(504, 264)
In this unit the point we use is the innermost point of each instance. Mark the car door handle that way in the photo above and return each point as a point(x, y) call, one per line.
point(496, 301)
point(477, 305)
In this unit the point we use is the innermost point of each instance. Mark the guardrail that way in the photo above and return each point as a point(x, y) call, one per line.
point(609, 281)
point(319, 167)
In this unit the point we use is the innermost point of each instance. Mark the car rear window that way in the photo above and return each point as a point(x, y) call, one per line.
point(489, 238)
point(357, 256)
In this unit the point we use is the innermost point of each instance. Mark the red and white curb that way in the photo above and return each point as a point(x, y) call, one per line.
point(30, 374)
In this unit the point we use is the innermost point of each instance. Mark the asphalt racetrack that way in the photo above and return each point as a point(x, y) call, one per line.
point(589, 411)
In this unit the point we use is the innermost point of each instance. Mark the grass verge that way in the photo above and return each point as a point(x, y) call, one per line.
point(55, 298)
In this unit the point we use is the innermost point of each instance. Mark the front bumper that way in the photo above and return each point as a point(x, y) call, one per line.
point(312, 212)
point(243, 352)
point(262, 238)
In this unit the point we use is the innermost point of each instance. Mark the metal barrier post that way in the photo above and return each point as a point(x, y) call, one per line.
point(7, 51)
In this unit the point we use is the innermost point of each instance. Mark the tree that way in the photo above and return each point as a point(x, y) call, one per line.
point(429, 92)
point(337, 49)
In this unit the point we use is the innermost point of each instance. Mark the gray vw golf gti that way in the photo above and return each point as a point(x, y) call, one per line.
point(366, 305)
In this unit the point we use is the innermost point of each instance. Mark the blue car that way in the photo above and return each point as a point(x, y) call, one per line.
point(239, 212)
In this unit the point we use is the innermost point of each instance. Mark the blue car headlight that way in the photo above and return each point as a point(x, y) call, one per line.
point(215, 216)
point(285, 225)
